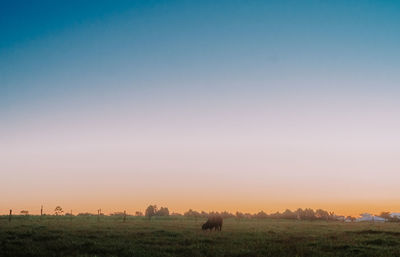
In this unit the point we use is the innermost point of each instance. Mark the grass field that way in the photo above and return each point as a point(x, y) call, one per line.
point(86, 236)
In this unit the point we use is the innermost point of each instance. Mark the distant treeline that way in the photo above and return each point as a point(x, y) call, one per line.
point(299, 214)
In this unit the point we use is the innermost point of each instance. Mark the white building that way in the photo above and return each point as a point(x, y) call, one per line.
point(370, 218)
point(340, 218)
point(395, 215)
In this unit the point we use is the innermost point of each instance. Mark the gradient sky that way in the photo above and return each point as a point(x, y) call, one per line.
point(210, 105)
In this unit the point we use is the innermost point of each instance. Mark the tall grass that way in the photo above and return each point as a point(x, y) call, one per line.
point(180, 236)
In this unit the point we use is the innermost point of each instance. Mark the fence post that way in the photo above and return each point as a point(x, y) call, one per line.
point(9, 216)
point(125, 216)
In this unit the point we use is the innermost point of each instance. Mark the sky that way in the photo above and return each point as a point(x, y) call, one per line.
point(209, 105)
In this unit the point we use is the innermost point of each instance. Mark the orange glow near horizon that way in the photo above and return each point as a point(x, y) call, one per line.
point(180, 202)
point(338, 209)
point(268, 157)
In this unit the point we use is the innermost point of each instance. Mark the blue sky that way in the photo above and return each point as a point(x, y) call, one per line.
point(227, 84)
point(50, 48)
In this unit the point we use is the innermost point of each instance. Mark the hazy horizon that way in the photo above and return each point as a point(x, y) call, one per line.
point(211, 105)
point(50, 210)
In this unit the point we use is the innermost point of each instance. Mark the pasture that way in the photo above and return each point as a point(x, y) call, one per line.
point(179, 236)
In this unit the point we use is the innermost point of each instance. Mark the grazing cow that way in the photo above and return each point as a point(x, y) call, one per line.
point(214, 221)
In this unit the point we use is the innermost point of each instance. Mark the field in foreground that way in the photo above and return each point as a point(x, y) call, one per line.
point(86, 236)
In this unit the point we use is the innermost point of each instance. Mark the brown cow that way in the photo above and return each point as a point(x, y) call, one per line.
point(214, 221)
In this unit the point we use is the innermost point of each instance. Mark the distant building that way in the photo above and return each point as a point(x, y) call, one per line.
point(339, 218)
point(395, 215)
point(370, 218)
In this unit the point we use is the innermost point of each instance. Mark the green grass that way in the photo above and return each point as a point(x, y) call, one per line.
point(86, 236)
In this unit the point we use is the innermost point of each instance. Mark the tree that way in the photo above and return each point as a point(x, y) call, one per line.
point(58, 210)
point(239, 215)
point(309, 214)
point(226, 215)
point(192, 213)
point(385, 215)
point(138, 213)
point(163, 211)
point(321, 214)
point(288, 214)
point(261, 215)
point(248, 215)
point(275, 215)
point(24, 212)
point(204, 214)
point(176, 214)
point(151, 211)
point(299, 213)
